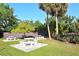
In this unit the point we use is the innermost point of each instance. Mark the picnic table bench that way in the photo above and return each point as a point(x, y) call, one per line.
point(11, 38)
point(29, 41)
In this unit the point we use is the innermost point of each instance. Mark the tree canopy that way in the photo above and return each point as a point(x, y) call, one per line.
point(7, 19)
point(54, 9)
point(23, 27)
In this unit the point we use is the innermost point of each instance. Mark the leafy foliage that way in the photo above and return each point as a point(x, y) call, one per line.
point(23, 27)
point(7, 19)
point(38, 25)
point(54, 9)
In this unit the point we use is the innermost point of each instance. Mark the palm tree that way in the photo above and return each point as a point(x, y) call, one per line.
point(55, 9)
point(46, 8)
point(58, 10)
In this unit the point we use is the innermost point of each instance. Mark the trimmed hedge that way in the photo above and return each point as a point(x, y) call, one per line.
point(71, 38)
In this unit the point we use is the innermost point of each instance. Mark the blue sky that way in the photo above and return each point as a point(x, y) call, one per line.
point(26, 11)
point(73, 9)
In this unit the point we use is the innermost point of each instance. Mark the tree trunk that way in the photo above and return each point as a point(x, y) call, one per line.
point(48, 27)
point(56, 23)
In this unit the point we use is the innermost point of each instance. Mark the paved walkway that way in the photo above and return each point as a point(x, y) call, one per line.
point(28, 48)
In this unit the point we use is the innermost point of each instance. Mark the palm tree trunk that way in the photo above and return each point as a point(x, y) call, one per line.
point(56, 23)
point(48, 27)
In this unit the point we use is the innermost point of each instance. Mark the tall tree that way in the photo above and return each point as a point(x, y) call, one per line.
point(55, 9)
point(7, 19)
point(46, 8)
point(58, 10)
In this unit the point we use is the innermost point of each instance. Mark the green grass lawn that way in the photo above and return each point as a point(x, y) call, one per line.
point(54, 48)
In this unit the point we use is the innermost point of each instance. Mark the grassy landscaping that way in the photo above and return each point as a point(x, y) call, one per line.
point(54, 48)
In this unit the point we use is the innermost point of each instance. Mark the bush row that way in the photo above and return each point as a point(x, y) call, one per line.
point(67, 38)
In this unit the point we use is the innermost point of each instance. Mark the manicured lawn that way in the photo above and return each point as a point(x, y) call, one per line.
point(54, 48)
